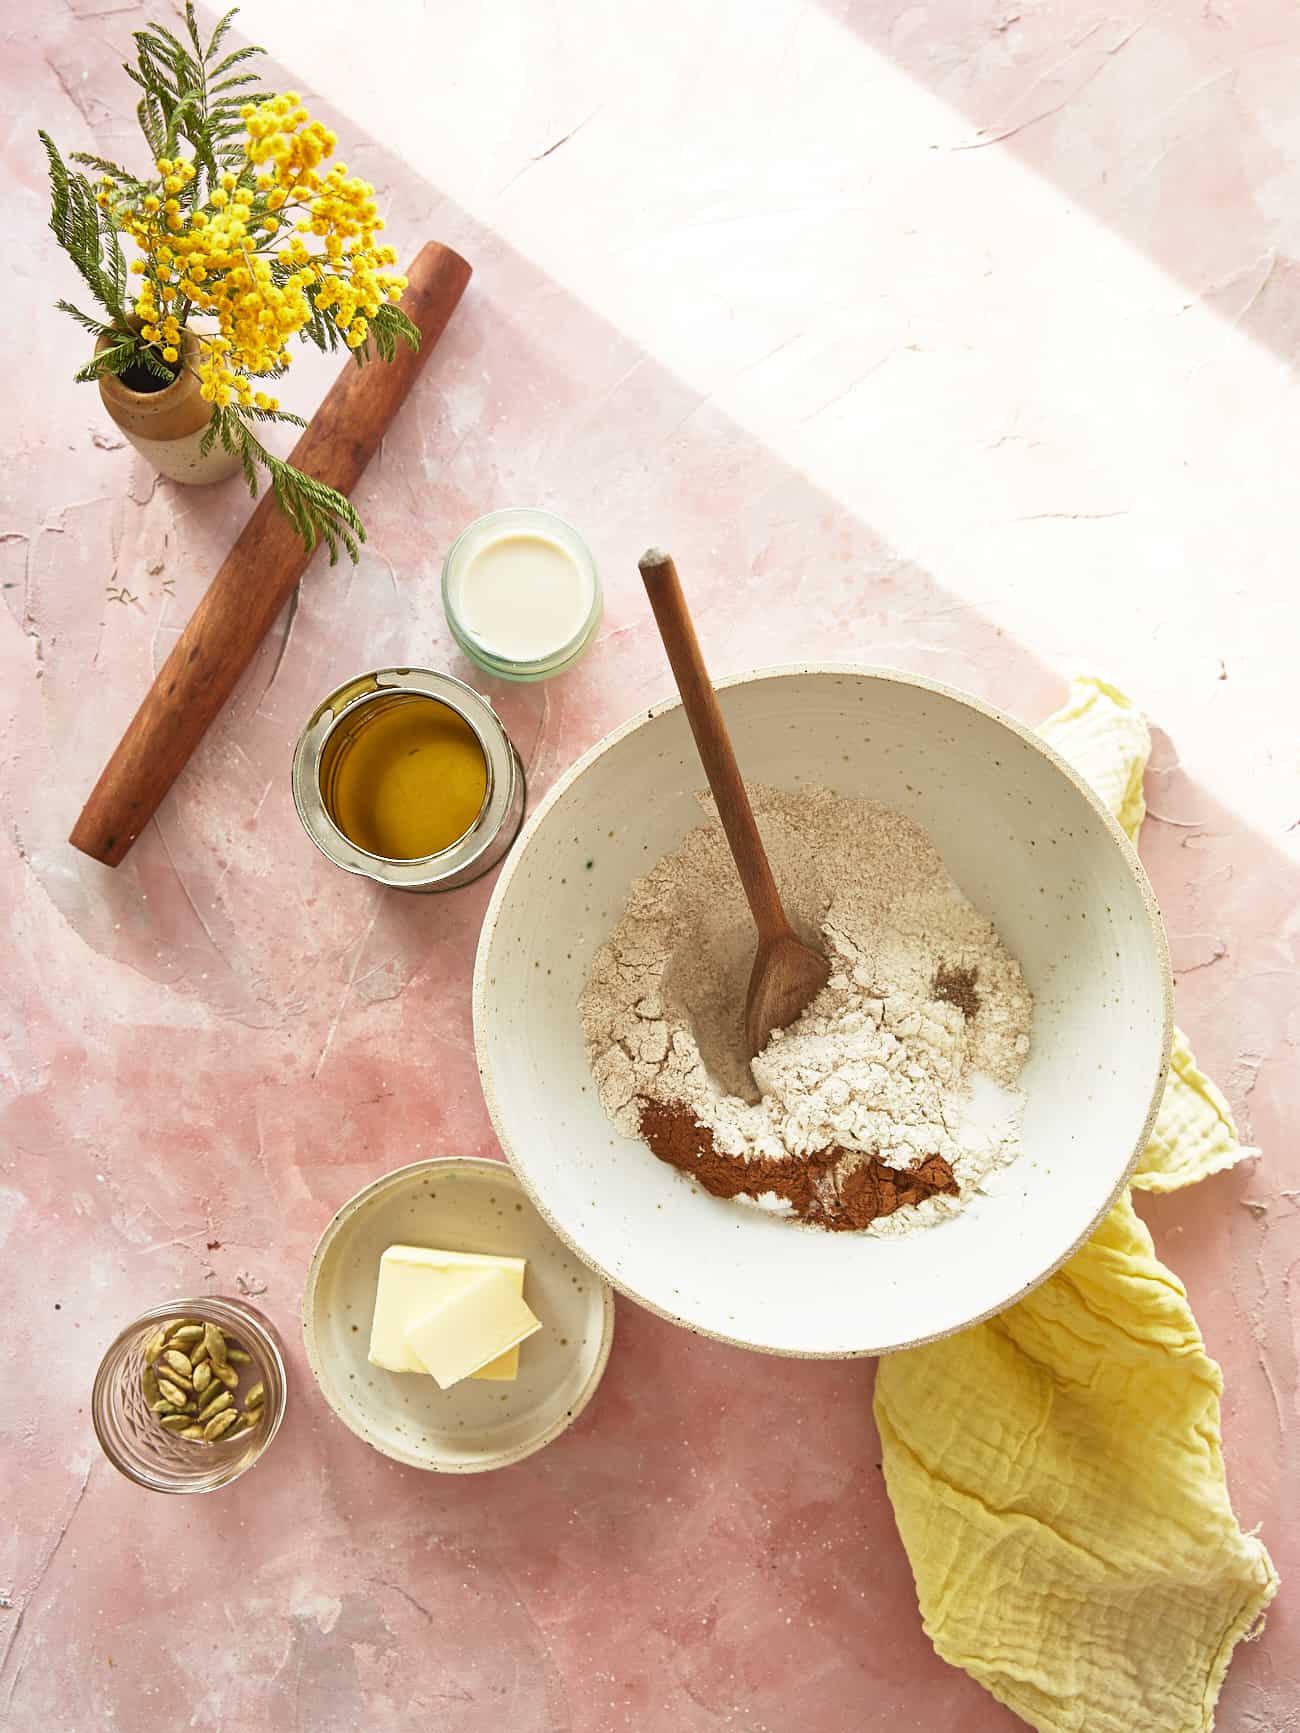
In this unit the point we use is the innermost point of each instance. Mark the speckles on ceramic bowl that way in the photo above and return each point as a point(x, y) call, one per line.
point(1030, 845)
point(457, 1203)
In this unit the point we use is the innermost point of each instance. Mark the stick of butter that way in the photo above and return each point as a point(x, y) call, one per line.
point(475, 1323)
point(412, 1281)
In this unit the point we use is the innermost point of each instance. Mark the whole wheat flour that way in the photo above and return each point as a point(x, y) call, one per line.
point(911, 1051)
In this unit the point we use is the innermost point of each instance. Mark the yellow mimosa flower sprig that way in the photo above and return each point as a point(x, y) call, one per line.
point(247, 236)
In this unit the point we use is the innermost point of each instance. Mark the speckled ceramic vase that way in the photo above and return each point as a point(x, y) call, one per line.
point(166, 427)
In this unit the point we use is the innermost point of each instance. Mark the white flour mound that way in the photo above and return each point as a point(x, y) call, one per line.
point(879, 1063)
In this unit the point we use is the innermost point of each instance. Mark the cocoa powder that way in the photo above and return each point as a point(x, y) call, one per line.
point(835, 1188)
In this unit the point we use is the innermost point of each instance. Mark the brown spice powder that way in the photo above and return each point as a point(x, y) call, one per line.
point(957, 986)
point(812, 1184)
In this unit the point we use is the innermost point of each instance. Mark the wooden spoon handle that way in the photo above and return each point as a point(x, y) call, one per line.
point(700, 702)
point(258, 576)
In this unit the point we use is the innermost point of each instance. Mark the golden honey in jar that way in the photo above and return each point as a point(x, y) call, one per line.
point(405, 777)
point(408, 777)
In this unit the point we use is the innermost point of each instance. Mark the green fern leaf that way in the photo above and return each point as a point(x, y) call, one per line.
point(59, 184)
point(123, 176)
point(235, 59)
point(250, 412)
point(239, 80)
point(170, 52)
point(153, 128)
point(389, 325)
point(114, 360)
point(148, 358)
point(250, 469)
point(191, 24)
point(95, 326)
point(76, 225)
point(219, 33)
point(318, 513)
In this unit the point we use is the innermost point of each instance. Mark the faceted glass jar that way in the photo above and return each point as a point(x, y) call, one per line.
point(129, 1433)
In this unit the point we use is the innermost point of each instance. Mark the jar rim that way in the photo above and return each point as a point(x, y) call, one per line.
point(152, 402)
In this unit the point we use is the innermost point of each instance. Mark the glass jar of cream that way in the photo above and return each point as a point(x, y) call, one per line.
point(521, 593)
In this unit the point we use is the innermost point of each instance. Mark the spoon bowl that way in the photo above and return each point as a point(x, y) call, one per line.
point(787, 976)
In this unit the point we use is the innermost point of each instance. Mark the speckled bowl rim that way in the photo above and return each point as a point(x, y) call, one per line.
point(892, 676)
point(499, 1170)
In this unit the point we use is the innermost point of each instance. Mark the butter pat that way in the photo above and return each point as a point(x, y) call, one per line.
point(413, 1281)
point(478, 1321)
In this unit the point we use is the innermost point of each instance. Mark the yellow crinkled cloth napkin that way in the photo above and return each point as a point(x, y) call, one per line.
point(1056, 1472)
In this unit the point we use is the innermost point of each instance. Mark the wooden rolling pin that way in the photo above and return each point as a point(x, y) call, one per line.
point(258, 576)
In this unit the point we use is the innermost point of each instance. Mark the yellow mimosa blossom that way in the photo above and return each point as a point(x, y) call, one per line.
point(245, 235)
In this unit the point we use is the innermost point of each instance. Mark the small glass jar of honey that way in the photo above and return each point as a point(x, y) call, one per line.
point(407, 777)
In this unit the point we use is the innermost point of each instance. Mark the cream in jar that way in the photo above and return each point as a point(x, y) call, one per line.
point(521, 594)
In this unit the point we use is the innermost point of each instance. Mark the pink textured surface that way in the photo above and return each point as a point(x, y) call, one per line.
point(961, 337)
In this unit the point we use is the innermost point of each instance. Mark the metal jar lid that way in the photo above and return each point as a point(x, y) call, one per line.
point(486, 840)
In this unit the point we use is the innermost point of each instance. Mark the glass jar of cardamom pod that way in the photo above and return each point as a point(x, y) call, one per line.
point(169, 1383)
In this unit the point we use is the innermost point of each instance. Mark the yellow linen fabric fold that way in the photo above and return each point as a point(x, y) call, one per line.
point(1056, 1472)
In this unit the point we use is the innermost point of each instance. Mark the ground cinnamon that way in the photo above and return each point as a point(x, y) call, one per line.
point(957, 986)
point(833, 1188)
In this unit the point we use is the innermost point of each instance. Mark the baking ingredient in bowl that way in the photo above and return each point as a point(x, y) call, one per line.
point(897, 1088)
point(191, 1380)
point(480, 1318)
point(414, 1281)
point(808, 1183)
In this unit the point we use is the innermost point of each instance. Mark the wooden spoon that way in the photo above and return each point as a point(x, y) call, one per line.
point(787, 975)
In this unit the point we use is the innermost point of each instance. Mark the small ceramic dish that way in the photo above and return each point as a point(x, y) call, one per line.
point(459, 1204)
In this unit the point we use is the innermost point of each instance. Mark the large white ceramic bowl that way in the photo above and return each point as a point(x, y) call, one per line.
point(1029, 844)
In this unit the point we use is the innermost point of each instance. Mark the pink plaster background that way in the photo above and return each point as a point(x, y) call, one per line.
point(958, 336)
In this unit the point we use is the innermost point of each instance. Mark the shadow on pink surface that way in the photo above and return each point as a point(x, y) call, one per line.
point(218, 1043)
point(1088, 114)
